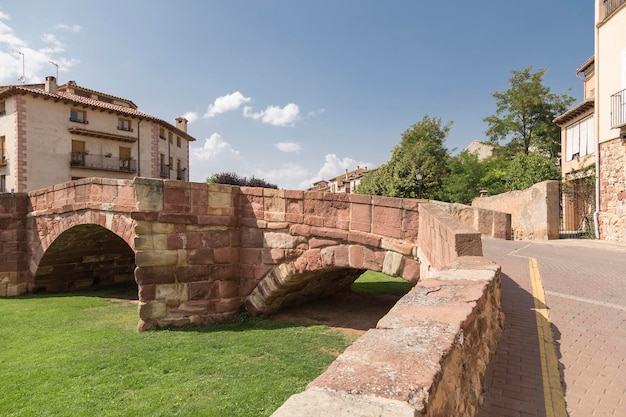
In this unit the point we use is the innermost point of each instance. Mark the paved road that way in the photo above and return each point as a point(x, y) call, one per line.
point(584, 285)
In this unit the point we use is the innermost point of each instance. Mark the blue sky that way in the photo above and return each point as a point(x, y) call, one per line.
point(293, 91)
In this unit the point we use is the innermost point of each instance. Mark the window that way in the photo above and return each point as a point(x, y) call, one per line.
point(162, 133)
point(165, 170)
point(178, 141)
point(125, 159)
point(3, 150)
point(79, 116)
point(78, 156)
point(579, 139)
point(3, 183)
point(124, 124)
point(82, 94)
point(169, 135)
point(105, 99)
point(2, 109)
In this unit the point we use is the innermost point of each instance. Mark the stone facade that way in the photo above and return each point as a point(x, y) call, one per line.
point(612, 210)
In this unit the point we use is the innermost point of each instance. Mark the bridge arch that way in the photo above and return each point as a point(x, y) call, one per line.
point(318, 273)
point(82, 235)
point(85, 255)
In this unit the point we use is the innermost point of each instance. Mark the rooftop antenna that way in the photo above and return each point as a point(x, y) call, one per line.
point(22, 78)
point(56, 65)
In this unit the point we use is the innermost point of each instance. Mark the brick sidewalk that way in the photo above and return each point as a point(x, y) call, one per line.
point(585, 286)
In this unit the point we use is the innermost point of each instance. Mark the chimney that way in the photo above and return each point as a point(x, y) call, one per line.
point(51, 84)
point(181, 123)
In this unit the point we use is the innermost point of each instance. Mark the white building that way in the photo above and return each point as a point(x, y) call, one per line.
point(51, 134)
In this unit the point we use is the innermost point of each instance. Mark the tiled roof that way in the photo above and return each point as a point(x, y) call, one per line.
point(575, 111)
point(38, 90)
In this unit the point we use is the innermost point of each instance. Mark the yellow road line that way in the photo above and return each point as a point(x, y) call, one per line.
point(552, 389)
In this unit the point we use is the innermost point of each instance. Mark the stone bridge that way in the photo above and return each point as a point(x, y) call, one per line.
point(199, 252)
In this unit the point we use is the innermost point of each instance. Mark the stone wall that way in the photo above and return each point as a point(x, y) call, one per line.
point(426, 357)
point(14, 252)
point(534, 211)
point(612, 208)
point(442, 239)
point(204, 249)
point(489, 223)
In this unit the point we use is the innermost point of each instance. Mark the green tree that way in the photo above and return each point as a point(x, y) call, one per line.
point(524, 114)
point(528, 169)
point(469, 176)
point(421, 149)
point(231, 178)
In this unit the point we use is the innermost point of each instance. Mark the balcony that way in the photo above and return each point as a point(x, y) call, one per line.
point(165, 171)
point(607, 7)
point(181, 174)
point(102, 162)
point(618, 109)
point(3, 161)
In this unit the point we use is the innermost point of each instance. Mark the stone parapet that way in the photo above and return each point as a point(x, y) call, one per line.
point(534, 211)
point(426, 357)
point(489, 223)
point(442, 239)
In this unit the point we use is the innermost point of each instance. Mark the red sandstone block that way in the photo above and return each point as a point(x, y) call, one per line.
point(340, 255)
point(300, 230)
point(251, 191)
point(318, 243)
point(251, 237)
point(149, 216)
point(387, 221)
point(329, 233)
point(223, 272)
point(192, 273)
point(364, 238)
point(212, 220)
point(386, 201)
point(294, 194)
point(202, 256)
point(228, 289)
point(147, 292)
point(155, 275)
point(411, 270)
point(356, 256)
point(314, 220)
point(198, 199)
point(203, 290)
point(177, 218)
point(361, 217)
point(226, 255)
point(251, 256)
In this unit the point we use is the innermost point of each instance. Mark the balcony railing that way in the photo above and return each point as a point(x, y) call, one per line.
point(165, 171)
point(609, 6)
point(618, 109)
point(102, 162)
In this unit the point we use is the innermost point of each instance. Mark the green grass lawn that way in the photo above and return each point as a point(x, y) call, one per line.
point(78, 354)
point(377, 283)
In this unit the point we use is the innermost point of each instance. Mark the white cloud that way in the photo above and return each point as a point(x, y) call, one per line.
point(191, 116)
point(315, 113)
point(288, 147)
point(33, 61)
point(288, 176)
point(334, 166)
point(274, 115)
point(74, 28)
point(215, 156)
point(226, 103)
point(4, 16)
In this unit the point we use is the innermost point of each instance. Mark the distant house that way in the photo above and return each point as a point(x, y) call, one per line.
point(481, 149)
point(52, 133)
point(321, 185)
point(344, 183)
